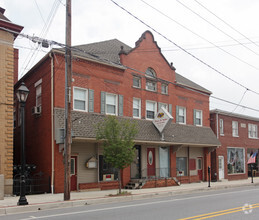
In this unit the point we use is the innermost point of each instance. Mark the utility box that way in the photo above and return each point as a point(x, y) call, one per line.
point(1, 186)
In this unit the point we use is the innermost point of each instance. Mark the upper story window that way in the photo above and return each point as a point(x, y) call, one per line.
point(252, 131)
point(234, 128)
point(151, 107)
point(111, 104)
point(150, 72)
point(162, 105)
point(37, 85)
point(180, 115)
point(80, 99)
point(221, 126)
point(164, 89)
point(197, 117)
point(151, 85)
point(136, 108)
point(136, 82)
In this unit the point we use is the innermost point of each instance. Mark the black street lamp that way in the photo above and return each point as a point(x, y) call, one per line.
point(22, 94)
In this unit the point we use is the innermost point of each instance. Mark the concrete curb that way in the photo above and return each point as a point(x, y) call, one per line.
point(107, 199)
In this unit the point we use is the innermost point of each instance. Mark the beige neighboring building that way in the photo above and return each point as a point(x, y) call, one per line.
point(8, 76)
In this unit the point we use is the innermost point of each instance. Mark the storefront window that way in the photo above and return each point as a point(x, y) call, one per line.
point(250, 151)
point(181, 166)
point(236, 160)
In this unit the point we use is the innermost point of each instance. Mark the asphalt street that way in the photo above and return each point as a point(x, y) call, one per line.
point(237, 203)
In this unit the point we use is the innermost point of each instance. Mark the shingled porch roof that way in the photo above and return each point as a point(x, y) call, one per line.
point(84, 127)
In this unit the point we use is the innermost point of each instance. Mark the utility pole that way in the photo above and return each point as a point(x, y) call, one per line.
point(68, 80)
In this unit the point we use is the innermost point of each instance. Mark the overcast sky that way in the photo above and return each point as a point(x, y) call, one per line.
point(222, 34)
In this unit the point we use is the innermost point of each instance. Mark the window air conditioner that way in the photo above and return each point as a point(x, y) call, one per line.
point(36, 110)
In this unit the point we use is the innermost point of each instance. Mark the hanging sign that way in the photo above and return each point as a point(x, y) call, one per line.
point(162, 118)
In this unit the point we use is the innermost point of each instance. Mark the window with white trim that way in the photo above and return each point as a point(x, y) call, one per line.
point(151, 85)
point(136, 82)
point(136, 108)
point(111, 104)
point(180, 115)
point(234, 128)
point(236, 160)
point(150, 72)
point(197, 117)
point(164, 89)
point(80, 99)
point(252, 131)
point(221, 126)
point(151, 109)
point(164, 105)
point(38, 88)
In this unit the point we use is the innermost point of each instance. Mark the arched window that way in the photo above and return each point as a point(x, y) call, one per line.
point(151, 72)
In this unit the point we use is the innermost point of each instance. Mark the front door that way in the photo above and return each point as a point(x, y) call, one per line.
point(200, 168)
point(151, 165)
point(221, 168)
point(135, 168)
point(164, 161)
point(73, 173)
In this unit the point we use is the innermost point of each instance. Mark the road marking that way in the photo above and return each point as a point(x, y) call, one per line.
point(138, 205)
point(222, 212)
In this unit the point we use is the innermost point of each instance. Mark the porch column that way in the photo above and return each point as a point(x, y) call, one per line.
point(207, 162)
point(172, 162)
point(125, 176)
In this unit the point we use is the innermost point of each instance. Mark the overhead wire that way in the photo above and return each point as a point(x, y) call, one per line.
point(195, 57)
point(247, 38)
point(201, 37)
point(204, 19)
point(77, 49)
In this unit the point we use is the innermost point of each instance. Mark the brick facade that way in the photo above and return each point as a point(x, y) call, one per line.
point(113, 78)
point(242, 141)
point(9, 68)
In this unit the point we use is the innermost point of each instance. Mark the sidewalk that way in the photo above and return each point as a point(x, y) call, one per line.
point(50, 201)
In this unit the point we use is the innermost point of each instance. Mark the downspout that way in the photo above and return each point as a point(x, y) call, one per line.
point(217, 124)
point(52, 124)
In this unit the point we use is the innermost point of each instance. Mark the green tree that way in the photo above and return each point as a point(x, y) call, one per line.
point(117, 137)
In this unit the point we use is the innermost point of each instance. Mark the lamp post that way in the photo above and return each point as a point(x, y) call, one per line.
point(22, 94)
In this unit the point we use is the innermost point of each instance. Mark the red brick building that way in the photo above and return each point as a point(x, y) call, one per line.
point(238, 135)
point(111, 78)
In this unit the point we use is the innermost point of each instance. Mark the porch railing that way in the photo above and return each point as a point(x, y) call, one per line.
point(36, 184)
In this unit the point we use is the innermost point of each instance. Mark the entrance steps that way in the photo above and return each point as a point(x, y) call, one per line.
point(135, 184)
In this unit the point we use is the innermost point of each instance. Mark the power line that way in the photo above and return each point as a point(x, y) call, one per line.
point(97, 57)
point(203, 38)
point(195, 57)
point(217, 27)
point(226, 23)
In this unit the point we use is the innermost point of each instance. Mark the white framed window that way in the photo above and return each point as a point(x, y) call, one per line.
point(164, 89)
point(136, 108)
point(136, 82)
point(151, 107)
point(151, 85)
point(37, 85)
point(236, 160)
point(180, 115)
point(197, 117)
point(252, 131)
point(164, 105)
point(221, 126)
point(111, 104)
point(80, 99)
point(150, 72)
point(234, 128)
